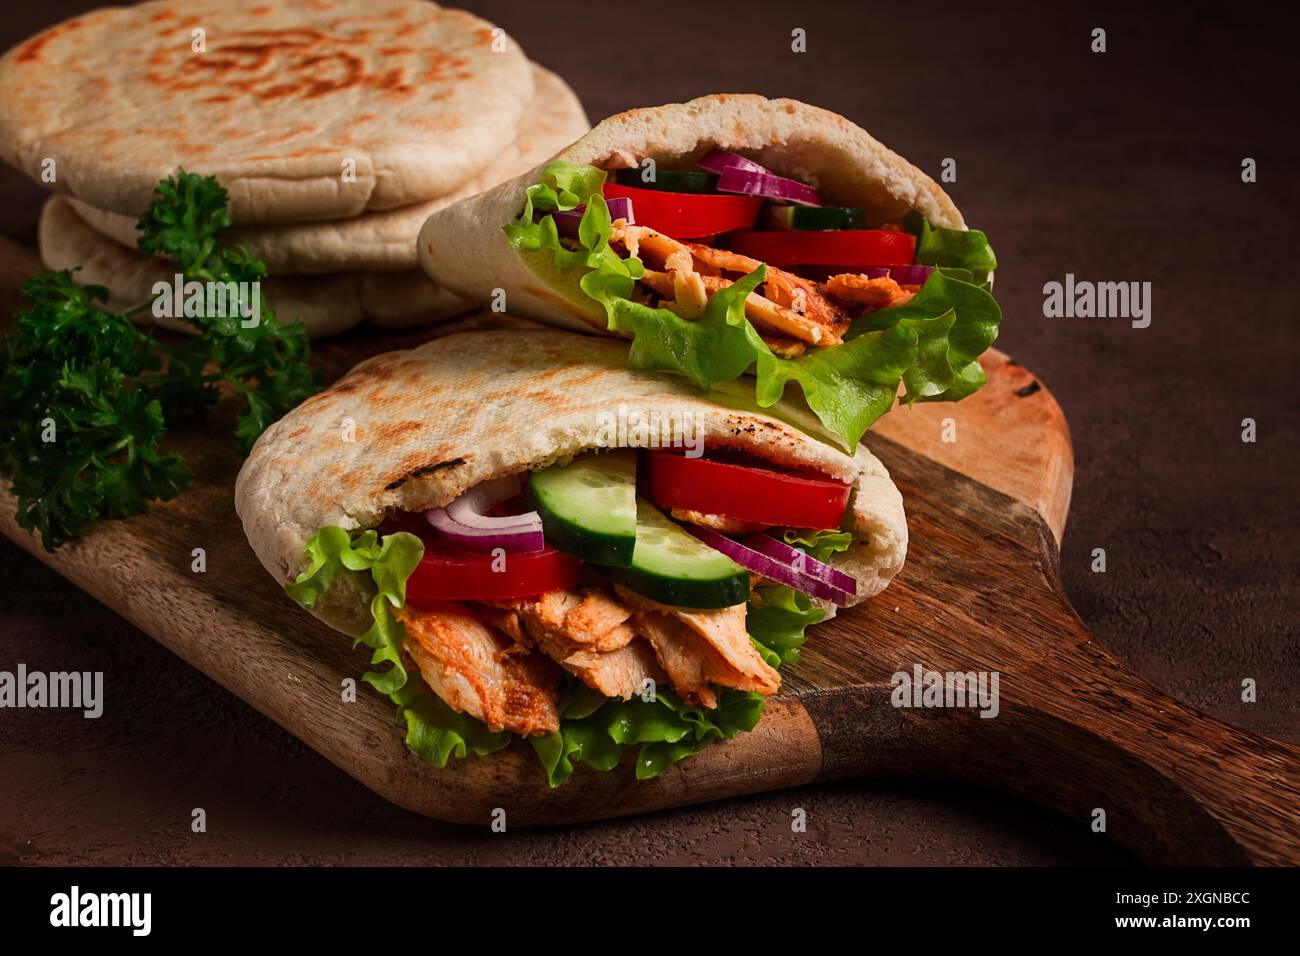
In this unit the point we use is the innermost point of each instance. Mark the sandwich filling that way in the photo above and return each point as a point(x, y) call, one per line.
point(616, 600)
point(715, 265)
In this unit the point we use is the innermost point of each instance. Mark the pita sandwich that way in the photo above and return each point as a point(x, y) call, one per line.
point(320, 110)
point(735, 233)
point(384, 240)
point(327, 304)
point(534, 541)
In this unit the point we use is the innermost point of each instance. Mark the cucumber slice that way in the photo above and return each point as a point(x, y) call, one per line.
point(588, 506)
point(670, 180)
point(672, 566)
point(814, 218)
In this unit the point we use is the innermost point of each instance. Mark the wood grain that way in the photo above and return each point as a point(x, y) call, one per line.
point(1076, 731)
point(1010, 435)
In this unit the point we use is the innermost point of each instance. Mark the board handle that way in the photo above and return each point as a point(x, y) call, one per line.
point(1076, 729)
point(1177, 785)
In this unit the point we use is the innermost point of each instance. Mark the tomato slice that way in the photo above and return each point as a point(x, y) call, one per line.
point(449, 573)
point(687, 215)
point(855, 248)
point(745, 492)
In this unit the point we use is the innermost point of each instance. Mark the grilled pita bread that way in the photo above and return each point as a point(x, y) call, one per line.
point(409, 431)
point(383, 241)
point(463, 247)
point(327, 304)
point(284, 99)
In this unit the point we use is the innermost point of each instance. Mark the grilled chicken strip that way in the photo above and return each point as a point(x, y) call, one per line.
point(791, 306)
point(785, 289)
point(471, 667)
point(764, 313)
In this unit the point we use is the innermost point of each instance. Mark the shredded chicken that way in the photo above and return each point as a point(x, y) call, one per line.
point(471, 667)
point(621, 673)
point(587, 632)
point(857, 292)
point(587, 616)
point(712, 645)
point(719, 523)
point(682, 655)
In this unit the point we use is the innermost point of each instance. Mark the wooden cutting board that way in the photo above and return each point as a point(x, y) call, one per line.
point(1076, 729)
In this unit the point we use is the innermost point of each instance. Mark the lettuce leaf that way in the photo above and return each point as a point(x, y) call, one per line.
point(818, 544)
point(436, 733)
point(931, 345)
point(967, 249)
point(777, 618)
point(662, 730)
point(955, 322)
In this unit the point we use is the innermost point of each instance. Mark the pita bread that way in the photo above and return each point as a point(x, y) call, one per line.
point(385, 240)
point(464, 248)
point(283, 100)
point(426, 425)
point(328, 304)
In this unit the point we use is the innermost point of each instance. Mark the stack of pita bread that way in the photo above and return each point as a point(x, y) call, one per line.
point(337, 127)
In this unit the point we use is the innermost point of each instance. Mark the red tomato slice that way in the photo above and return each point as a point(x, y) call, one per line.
point(687, 215)
point(750, 494)
point(856, 248)
point(448, 573)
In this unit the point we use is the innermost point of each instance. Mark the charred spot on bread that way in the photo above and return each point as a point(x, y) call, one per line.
point(422, 471)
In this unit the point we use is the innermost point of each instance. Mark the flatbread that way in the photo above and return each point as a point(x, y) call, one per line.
point(464, 248)
point(284, 97)
point(414, 430)
point(384, 241)
point(327, 304)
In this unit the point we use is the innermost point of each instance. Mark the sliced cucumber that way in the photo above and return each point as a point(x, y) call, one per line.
point(672, 566)
point(809, 218)
point(670, 180)
point(588, 506)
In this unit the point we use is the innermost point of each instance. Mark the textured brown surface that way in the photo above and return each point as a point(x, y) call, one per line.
point(1122, 166)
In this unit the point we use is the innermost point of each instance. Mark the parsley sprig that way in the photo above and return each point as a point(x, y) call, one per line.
point(86, 397)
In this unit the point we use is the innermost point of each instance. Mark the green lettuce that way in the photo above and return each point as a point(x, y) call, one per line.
point(818, 544)
point(967, 249)
point(594, 730)
point(662, 730)
point(776, 620)
point(931, 345)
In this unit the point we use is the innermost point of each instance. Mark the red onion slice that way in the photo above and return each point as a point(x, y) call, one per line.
point(747, 182)
point(798, 559)
point(719, 160)
point(771, 568)
point(566, 223)
point(910, 275)
point(465, 521)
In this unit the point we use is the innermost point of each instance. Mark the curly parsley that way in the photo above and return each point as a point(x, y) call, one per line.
point(86, 397)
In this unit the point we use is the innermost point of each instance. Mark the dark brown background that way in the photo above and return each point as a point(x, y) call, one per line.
point(1122, 166)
